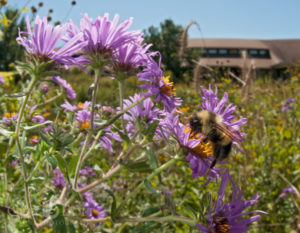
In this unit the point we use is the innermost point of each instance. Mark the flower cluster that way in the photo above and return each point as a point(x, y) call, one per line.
point(105, 45)
point(93, 209)
point(229, 217)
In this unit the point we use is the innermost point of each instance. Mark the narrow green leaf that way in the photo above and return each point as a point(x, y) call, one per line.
point(113, 205)
point(6, 133)
point(72, 165)
point(67, 140)
point(154, 163)
point(28, 128)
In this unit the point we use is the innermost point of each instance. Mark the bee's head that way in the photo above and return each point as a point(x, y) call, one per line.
point(196, 124)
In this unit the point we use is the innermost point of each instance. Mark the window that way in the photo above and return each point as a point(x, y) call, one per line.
point(253, 52)
point(212, 51)
point(259, 53)
point(262, 52)
point(223, 51)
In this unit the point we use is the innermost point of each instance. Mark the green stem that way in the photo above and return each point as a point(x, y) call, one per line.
point(121, 93)
point(20, 149)
point(91, 129)
point(6, 182)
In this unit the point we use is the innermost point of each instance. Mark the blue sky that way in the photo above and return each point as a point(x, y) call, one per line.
point(257, 19)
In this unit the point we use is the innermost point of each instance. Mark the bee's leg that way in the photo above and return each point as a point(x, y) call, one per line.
point(213, 164)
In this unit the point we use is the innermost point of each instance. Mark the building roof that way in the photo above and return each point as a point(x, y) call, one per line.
point(282, 52)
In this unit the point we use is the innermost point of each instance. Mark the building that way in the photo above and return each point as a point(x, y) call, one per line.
point(271, 56)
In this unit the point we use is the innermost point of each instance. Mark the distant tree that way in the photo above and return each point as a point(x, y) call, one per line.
point(10, 51)
point(166, 40)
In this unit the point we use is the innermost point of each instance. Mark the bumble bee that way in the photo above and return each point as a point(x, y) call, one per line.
point(221, 135)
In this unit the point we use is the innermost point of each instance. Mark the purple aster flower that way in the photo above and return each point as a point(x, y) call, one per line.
point(106, 139)
point(287, 104)
point(48, 128)
point(68, 88)
point(199, 154)
point(1, 80)
point(104, 36)
point(58, 179)
point(93, 209)
point(69, 107)
point(9, 118)
point(45, 88)
point(83, 117)
point(160, 87)
point(129, 57)
point(145, 112)
point(38, 119)
point(43, 40)
point(87, 195)
point(286, 191)
point(229, 217)
point(87, 171)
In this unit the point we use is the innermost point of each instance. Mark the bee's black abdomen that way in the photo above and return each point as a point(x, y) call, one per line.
point(222, 151)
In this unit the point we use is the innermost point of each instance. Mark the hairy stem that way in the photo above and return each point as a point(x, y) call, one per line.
point(19, 147)
point(90, 133)
point(121, 93)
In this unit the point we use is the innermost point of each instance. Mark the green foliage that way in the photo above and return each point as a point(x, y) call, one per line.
point(10, 51)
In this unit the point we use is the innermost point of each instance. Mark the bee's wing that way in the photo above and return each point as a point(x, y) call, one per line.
point(233, 134)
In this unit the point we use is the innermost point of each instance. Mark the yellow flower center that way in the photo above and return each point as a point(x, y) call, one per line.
point(80, 105)
point(95, 213)
point(184, 109)
point(46, 114)
point(85, 125)
point(221, 224)
point(168, 87)
point(202, 150)
point(7, 114)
